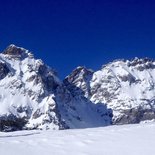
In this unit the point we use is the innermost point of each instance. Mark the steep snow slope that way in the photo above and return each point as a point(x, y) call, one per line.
point(126, 87)
point(112, 140)
point(85, 113)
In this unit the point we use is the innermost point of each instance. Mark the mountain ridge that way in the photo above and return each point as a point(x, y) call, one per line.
point(33, 97)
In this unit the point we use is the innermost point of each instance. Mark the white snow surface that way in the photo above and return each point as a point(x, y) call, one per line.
point(113, 140)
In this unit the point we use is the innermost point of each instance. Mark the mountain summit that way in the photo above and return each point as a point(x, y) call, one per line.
point(15, 51)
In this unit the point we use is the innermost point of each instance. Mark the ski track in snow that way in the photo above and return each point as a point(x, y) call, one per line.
point(113, 140)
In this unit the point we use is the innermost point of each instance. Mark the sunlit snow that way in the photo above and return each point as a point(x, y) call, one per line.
point(113, 140)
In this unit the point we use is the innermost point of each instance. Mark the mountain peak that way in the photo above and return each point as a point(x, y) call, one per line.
point(17, 52)
point(81, 70)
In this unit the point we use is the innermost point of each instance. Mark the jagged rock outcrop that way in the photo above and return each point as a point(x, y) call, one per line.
point(79, 81)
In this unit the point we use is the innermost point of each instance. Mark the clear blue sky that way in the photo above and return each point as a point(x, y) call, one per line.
point(69, 33)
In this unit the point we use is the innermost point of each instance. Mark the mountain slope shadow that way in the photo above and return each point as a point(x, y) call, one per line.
point(78, 111)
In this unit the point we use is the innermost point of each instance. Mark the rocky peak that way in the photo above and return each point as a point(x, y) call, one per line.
point(17, 52)
point(80, 73)
point(78, 81)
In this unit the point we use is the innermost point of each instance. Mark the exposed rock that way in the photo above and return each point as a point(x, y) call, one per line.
point(4, 70)
point(128, 78)
point(78, 81)
point(11, 123)
point(17, 52)
point(135, 115)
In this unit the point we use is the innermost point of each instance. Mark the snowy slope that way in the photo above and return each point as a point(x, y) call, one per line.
point(112, 140)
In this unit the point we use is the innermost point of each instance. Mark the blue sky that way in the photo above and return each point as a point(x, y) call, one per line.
point(69, 33)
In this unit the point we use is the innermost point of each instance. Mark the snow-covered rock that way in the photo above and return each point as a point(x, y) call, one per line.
point(27, 88)
point(126, 87)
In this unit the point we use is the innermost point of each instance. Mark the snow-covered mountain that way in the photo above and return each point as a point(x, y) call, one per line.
point(33, 97)
point(26, 91)
point(125, 87)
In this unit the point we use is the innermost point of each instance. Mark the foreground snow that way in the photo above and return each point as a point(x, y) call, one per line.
point(113, 140)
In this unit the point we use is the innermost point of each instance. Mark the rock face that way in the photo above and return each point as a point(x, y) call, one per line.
point(126, 87)
point(4, 70)
point(33, 97)
point(16, 52)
